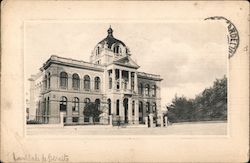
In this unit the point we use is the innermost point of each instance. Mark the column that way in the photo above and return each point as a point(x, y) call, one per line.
point(81, 115)
point(105, 114)
point(130, 120)
point(162, 121)
point(113, 106)
point(120, 79)
point(110, 120)
point(129, 80)
point(158, 110)
point(61, 120)
point(121, 110)
point(113, 79)
point(166, 121)
point(135, 82)
point(136, 116)
point(151, 120)
point(69, 112)
point(146, 121)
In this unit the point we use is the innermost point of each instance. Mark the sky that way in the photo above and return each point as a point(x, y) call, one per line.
point(189, 56)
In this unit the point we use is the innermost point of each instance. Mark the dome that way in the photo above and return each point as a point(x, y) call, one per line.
point(110, 40)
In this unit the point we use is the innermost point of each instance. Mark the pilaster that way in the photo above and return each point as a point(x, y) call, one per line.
point(69, 112)
point(130, 120)
point(136, 116)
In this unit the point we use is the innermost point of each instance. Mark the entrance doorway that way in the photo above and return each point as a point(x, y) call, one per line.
point(125, 105)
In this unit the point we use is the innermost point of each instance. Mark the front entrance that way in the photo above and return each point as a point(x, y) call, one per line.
point(125, 105)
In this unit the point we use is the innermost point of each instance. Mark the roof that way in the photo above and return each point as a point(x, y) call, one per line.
point(110, 39)
point(72, 63)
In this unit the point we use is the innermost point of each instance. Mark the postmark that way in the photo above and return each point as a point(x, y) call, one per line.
point(232, 36)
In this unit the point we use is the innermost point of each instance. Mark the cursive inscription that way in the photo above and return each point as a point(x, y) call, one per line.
point(40, 158)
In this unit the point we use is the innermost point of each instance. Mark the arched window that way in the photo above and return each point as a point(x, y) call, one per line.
point(44, 110)
point(116, 49)
point(63, 80)
point(86, 100)
point(86, 82)
point(140, 107)
point(109, 106)
point(97, 83)
point(45, 82)
point(63, 103)
point(147, 107)
point(75, 81)
point(98, 50)
point(154, 107)
point(133, 108)
point(117, 107)
point(110, 83)
point(147, 90)
point(49, 80)
point(141, 88)
point(48, 106)
point(154, 90)
point(97, 102)
point(75, 104)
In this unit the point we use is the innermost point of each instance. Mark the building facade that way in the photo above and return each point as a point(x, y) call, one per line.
point(111, 80)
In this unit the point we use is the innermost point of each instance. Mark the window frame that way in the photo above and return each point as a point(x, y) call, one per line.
point(63, 80)
point(76, 104)
point(86, 82)
point(75, 81)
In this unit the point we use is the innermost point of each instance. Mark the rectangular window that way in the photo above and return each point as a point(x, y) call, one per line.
point(75, 119)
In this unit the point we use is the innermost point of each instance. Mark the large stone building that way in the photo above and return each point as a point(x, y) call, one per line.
point(111, 79)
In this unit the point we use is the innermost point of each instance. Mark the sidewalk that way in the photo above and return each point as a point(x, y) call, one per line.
point(214, 128)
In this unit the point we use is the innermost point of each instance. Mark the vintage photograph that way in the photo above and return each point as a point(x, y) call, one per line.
point(126, 78)
point(124, 81)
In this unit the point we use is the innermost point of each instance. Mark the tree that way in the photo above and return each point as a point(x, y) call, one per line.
point(92, 109)
point(210, 104)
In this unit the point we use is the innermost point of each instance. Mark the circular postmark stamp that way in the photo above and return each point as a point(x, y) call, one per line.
point(232, 36)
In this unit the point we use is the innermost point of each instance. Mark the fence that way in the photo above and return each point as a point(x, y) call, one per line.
point(102, 120)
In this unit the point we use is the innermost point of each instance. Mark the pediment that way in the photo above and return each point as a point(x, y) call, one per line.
point(126, 61)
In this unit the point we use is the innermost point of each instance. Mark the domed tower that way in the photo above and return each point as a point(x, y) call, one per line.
point(109, 50)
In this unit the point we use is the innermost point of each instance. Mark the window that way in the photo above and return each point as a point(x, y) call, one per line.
point(133, 108)
point(154, 90)
point(75, 119)
point(86, 100)
point(140, 107)
point(148, 107)
point(45, 82)
point(132, 83)
point(86, 82)
point(75, 104)
point(141, 88)
point(63, 103)
point(154, 107)
point(109, 106)
point(97, 83)
point(48, 106)
point(98, 50)
point(97, 102)
point(75, 81)
point(117, 107)
point(63, 80)
point(110, 83)
point(147, 90)
point(116, 49)
point(48, 80)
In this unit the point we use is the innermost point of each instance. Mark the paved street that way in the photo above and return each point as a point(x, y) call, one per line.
point(198, 128)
